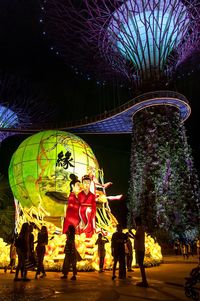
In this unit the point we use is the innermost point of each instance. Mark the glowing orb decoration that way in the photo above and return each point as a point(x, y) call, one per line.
point(40, 168)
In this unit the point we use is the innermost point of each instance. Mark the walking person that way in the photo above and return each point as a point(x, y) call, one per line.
point(22, 247)
point(139, 246)
point(13, 255)
point(118, 252)
point(70, 254)
point(101, 241)
point(42, 241)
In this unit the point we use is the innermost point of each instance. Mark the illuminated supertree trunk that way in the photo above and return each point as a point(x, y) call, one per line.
point(143, 40)
point(163, 186)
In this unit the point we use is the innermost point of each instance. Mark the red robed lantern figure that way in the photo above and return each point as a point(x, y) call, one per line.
point(81, 210)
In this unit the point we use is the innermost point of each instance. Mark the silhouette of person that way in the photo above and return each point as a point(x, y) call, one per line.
point(70, 254)
point(118, 252)
point(101, 241)
point(139, 246)
point(42, 241)
point(23, 250)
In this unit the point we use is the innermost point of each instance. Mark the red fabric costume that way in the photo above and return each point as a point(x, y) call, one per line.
point(87, 213)
point(72, 214)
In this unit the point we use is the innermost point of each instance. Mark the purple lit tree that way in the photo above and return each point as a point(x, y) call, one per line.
point(20, 108)
point(142, 41)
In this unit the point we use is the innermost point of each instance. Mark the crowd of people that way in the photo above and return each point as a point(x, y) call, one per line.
point(31, 257)
point(187, 249)
point(121, 249)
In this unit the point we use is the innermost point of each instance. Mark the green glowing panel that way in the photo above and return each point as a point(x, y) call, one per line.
point(39, 169)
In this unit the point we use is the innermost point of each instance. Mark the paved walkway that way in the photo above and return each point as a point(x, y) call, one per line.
point(166, 284)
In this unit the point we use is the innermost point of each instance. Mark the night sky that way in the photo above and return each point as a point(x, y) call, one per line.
point(25, 54)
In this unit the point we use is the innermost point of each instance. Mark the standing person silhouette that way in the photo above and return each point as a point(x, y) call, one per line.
point(139, 246)
point(101, 241)
point(118, 252)
point(87, 210)
point(70, 254)
point(42, 241)
point(72, 212)
point(23, 249)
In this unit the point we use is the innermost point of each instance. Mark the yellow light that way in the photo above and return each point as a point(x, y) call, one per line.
point(86, 246)
point(4, 253)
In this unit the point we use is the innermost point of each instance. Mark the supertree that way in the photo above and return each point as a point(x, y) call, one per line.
point(20, 107)
point(8, 118)
point(142, 41)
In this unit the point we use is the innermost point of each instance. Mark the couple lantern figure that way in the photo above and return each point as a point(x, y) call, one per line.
point(81, 209)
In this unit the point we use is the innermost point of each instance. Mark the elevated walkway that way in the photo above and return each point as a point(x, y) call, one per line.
point(119, 120)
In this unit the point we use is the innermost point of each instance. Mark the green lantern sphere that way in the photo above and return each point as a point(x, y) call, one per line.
point(40, 169)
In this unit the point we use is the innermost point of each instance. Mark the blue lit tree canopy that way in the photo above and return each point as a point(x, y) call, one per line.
point(8, 119)
point(19, 106)
point(145, 32)
point(138, 39)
